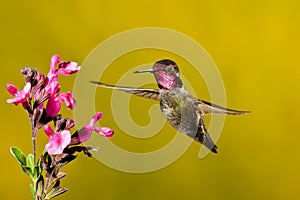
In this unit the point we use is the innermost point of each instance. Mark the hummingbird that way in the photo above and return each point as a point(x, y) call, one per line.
point(182, 110)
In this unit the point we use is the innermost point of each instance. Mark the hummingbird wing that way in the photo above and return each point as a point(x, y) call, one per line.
point(141, 92)
point(209, 108)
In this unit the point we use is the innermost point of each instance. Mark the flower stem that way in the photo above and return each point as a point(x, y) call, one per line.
point(34, 131)
point(34, 149)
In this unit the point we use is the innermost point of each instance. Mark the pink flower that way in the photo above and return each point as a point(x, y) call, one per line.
point(68, 99)
point(85, 133)
point(52, 85)
point(105, 131)
point(53, 63)
point(53, 106)
point(95, 118)
point(68, 68)
point(13, 90)
point(58, 140)
point(20, 96)
point(64, 68)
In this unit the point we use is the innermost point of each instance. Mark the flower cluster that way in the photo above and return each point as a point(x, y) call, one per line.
point(42, 99)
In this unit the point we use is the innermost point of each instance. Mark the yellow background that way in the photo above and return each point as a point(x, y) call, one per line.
point(255, 45)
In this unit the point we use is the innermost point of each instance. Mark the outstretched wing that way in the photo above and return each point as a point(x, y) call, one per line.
point(209, 108)
point(141, 92)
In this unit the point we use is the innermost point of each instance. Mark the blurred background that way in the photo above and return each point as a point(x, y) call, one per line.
point(255, 45)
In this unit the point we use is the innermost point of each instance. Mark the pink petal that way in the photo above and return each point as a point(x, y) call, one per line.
point(68, 68)
point(105, 131)
point(27, 88)
point(68, 99)
point(65, 137)
point(12, 89)
point(95, 118)
point(41, 106)
point(48, 130)
point(53, 106)
point(20, 96)
point(85, 133)
point(53, 63)
point(52, 86)
point(58, 142)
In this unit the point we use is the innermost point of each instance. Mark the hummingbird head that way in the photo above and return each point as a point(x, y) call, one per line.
point(166, 73)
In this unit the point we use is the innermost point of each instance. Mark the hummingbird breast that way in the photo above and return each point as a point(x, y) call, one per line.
point(180, 110)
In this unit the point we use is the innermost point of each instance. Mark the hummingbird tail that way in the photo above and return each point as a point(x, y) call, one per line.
point(204, 138)
point(209, 143)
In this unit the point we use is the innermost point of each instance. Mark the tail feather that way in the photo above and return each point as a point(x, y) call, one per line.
point(209, 143)
point(204, 138)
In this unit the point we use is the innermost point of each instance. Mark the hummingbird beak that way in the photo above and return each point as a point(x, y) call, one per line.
point(144, 70)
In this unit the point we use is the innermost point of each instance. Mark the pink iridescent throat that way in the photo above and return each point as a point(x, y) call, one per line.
point(167, 81)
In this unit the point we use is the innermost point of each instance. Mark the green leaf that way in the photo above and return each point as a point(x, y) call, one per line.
point(19, 156)
point(39, 163)
point(32, 191)
point(44, 153)
point(30, 162)
point(37, 172)
point(28, 171)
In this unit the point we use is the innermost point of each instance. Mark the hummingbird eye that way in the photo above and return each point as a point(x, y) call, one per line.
point(169, 70)
point(176, 68)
